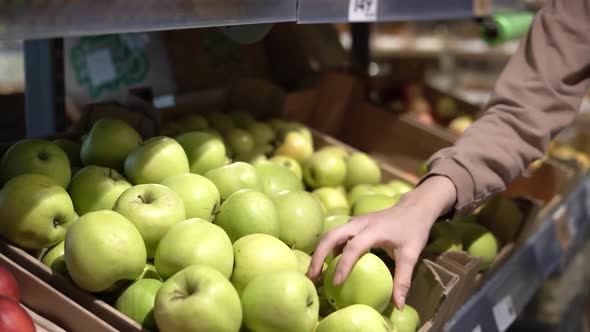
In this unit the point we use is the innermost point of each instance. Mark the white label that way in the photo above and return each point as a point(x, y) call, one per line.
point(477, 329)
point(100, 67)
point(362, 10)
point(504, 313)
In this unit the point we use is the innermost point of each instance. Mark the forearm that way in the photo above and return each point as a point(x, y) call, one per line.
point(537, 95)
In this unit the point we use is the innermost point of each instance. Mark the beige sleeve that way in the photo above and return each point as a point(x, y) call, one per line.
point(536, 96)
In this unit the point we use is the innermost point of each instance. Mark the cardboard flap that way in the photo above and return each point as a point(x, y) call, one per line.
point(432, 284)
point(43, 299)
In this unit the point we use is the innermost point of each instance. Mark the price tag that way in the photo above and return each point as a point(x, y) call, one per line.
point(504, 313)
point(362, 10)
point(477, 329)
point(100, 67)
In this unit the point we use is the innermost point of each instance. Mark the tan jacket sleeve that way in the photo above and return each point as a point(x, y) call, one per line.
point(537, 95)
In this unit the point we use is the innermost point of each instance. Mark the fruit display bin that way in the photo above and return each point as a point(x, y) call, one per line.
point(50, 309)
point(434, 285)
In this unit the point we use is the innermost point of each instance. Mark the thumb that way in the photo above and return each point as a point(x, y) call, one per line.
point(404, 267)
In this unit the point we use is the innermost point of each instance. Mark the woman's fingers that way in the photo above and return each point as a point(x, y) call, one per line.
point(405, 261)
point(334, 238)
point(355, 248)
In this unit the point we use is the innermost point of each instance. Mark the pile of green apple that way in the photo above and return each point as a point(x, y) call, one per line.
point(469, 235)
point(209, 228)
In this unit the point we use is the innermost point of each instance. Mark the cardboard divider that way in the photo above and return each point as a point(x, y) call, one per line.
point(467, 268)
point(433, 290)
point(55, 311)
point(106, 313)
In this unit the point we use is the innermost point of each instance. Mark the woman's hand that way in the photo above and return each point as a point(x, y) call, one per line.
point(402, 231)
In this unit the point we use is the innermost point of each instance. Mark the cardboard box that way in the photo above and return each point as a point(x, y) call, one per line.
point(432, 294)
point(51, 310)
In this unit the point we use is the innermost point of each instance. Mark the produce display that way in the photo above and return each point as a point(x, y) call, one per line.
point(206, 229)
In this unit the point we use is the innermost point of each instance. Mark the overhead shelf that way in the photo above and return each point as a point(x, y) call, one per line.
point(62, 18)
point(497, 304)
point(328, 11)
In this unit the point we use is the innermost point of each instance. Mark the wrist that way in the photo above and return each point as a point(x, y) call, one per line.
point(437, 195)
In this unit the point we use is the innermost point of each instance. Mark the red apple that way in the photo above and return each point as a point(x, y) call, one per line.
point(9, 285)
point(13, 317)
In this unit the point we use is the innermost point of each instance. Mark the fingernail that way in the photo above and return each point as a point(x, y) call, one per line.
point(338, 278)
point(401, 301)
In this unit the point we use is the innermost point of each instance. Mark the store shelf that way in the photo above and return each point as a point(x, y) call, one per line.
point(62, 18)
point(497, 304)
point(327, 11)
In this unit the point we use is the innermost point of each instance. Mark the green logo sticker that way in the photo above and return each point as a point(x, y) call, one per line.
point(106, 63)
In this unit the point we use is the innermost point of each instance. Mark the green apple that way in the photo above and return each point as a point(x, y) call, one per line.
point(103, 248)
point(471, 218)
point(200, 299)
point(478, 242)
point(290, 164)
point(247, 212)
point(137, 302)
point(233, 177)
point(359, 191)
point(199, 194)
point(324, 169)
point(446, 108)
point(55, 259)
point(156, 159)
point(338, 151)
point(386, 190)
point(280, 301)
point(257, 155)
point(503, 212)
point(460, 124)
point(333, 200)
point(369, 282)
point(443, 238)
point(296, 127)
point(242, 119)
point(277, 124)
point(422, 168)
point(35, 211)
point(257, 254)
point(332, 222)
point(154, 209)
point(36, 156)
point(204, 150)
point(96, 188)
point(262, 133)
point(149, 272)
point(194, 122)
point(240, 141)
point(301, 219)
point(372, 203)
point(275, 178)
point(192, 242)
point(72, 150)
point(304, 260)
point(354, 318)
point(362, 169)
point(296, 146)
point(400, 187)
point(405, 320)
point(220, 121)
point(108, 143)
